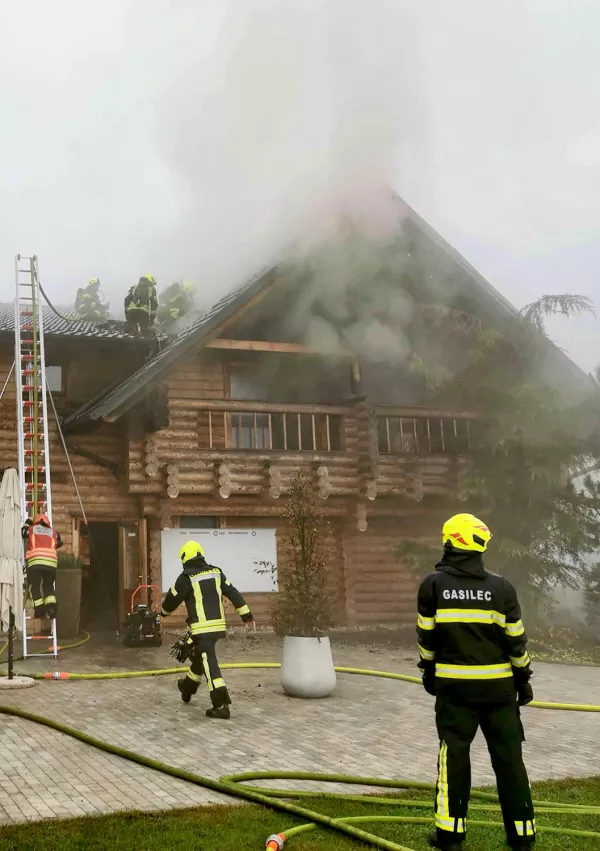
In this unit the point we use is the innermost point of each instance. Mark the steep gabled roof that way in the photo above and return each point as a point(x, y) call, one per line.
point(55, 326)
point(133, 389)
point(118, 401)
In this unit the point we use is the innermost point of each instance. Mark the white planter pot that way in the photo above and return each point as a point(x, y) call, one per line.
point(307, 667)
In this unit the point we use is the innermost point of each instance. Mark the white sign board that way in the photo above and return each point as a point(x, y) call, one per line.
point(233, 550)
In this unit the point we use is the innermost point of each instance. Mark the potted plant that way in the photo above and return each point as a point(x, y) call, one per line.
point(68, 594)
point(302, 609)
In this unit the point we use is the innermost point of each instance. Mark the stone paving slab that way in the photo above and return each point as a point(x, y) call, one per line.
point(369, 727)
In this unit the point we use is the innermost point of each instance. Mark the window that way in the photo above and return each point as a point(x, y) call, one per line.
point(295, 432)
point(193, 521)
point(54, 379)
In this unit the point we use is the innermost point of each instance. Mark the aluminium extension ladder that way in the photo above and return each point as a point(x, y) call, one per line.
point(32, 417)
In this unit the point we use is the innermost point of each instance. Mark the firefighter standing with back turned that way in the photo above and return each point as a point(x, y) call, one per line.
point(474, 660)
point(201, 586)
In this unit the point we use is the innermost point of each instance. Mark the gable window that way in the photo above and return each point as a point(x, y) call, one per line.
point(54, 379)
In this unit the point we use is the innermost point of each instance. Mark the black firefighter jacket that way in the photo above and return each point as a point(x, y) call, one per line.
point(201, 587)
point(470, 631)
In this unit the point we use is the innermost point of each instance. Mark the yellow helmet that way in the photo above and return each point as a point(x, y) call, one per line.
point(188, 288)
point(189, 550)
point(466, 532)
point(150, 278)
point(93, 281)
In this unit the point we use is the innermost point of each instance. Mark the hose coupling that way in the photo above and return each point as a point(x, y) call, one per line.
point(276, 842)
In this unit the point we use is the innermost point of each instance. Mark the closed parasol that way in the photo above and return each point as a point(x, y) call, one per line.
point(11, 551)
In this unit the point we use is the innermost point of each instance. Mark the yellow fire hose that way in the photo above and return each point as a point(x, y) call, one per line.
point(233, 786)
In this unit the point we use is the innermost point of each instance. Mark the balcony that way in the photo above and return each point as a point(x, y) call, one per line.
point(422, 432)
point(229, 447)
point(263, 427)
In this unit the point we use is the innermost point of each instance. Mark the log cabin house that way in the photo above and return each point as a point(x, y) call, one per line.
point(206, 428)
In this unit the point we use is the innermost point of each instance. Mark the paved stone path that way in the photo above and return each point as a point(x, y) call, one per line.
point(370, 727)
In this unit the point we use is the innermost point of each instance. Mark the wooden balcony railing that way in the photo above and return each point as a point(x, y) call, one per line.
point(256, 426)
point(414, 432)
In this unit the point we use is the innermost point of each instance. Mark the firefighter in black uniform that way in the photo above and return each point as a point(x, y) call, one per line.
point(474, 660)
point(201, 587)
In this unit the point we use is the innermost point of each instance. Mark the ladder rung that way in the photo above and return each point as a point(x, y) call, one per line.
point(29, 485)
point(33, 451)
point(31, 419)
point(29, 387)
point(30, 503)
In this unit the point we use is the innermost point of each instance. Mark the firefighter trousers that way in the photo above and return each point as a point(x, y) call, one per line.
point(500, 723)
point(204, 663)
point(40, 580)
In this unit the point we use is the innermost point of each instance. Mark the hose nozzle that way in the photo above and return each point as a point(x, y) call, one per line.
point(276, 842)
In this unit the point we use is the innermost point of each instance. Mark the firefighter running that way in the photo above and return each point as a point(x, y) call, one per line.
point(141, 304)
point(89, 303)
point(41, 560)
point(175, 302)
point(201, 587)
point(474, 660)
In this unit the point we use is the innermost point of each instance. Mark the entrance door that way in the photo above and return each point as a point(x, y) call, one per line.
point(132, 564)
point(99, 550)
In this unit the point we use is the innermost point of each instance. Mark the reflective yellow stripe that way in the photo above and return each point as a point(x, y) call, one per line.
point(515, 629)
point(199, 604)
point(428, 655)
point(243, 610)
point(42, 561)
point(526, 828)
point(172, 591)
point(207, 626)
point(473, 672)
point(521, 661)
point(207, 671)
point(457, 825)
point(441, 801)
point(50, 599)
point(197, 678)
point(488, 616)
point(219, 682)
point(425, 623)
point(39, 602)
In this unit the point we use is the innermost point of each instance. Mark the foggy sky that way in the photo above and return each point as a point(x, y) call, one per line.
point(199, 139)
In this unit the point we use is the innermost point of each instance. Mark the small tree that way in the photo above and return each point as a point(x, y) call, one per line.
point(303, 606)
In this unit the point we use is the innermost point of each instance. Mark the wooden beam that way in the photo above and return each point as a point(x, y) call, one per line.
point(263, 346)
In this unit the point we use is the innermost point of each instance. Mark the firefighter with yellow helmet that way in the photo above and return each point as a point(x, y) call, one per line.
point(474, 659)
point(201, 586)
point(141, 304)
point(175, 302)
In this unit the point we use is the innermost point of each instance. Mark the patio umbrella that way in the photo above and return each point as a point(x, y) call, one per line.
point(11, 551)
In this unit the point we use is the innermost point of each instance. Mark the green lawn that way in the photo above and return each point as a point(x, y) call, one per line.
point(246, 828)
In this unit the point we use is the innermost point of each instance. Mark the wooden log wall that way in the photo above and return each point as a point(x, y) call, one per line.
point(380, 589)
point(104, 494)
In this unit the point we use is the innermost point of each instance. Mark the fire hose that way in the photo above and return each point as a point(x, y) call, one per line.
point(235, 785)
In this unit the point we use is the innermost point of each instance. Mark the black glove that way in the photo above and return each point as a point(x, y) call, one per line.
point(525, 694)
point(429, 682)
point(182, 649)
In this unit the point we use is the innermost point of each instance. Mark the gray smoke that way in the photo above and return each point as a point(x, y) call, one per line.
point(201, 140)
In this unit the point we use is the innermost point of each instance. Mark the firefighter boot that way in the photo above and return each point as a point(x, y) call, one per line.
point(186, 694)
point(219, 712)
point(444, 841)
point(220, 703)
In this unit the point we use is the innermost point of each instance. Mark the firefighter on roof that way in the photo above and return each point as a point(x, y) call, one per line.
point(141, 304)
point(474, 659)
point(89, 302)
point(41, 560)
point(201, 587)
point(175, 302)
